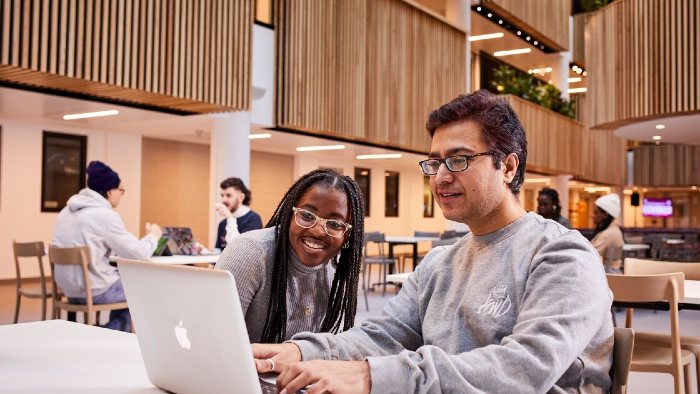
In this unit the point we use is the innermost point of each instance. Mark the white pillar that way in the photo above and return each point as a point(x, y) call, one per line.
point(229, 156)
point(458, 12)
point(560, 183)
point(560, 73)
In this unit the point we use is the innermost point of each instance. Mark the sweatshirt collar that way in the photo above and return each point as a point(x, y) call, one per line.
point(503, 232)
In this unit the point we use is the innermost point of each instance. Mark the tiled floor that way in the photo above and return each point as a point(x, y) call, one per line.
point(640, 383)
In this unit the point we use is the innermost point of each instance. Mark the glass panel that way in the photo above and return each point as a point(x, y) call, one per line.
point(362, 177)
point(391, 206)
point(428, 200)
point(63, 169)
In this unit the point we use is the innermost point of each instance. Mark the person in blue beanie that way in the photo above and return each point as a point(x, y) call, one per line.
point(89, 219)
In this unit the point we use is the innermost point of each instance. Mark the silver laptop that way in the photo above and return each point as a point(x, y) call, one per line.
point(190, 328)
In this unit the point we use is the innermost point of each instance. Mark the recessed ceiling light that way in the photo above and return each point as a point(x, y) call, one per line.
point(585, 73)
point(381, 156)
point(489, 15)
point(535, 43)
point(478, 8)
point(486, 36)
point(512, 52)
point(319, 147)
point(577, 90)
point(660, 127)
point(91, 114)
point(259, 136)
point(519, 33)
point(574, 79)
point(656, 138)
point(579, 71)
point(693, 188)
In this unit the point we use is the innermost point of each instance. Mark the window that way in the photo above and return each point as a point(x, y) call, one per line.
point(428, 199)
point(263, 12)
point(62, 169)
point(391, 200)
point(362, 177)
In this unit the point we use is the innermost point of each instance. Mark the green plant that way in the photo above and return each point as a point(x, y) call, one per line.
point(592, 5)
point(508, 80)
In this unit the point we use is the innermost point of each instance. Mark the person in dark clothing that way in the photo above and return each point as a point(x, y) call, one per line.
point(235, 208)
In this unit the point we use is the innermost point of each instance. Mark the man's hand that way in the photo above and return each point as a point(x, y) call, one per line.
point(222, 210)
point(325, 377)
point(154, 230)
point(282, 354)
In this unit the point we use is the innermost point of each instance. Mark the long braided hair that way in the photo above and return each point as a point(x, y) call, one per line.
point(342, 300)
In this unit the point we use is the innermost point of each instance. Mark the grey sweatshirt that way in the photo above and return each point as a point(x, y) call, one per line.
point(525, 309)
point(250, 258)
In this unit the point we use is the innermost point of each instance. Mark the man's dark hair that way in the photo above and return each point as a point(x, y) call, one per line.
point(342, 299)
point(500, 127)
point(238, 184)
point(554, 196)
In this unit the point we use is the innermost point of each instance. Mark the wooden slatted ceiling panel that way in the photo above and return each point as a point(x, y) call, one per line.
point(643, 61)
point(184, 55)
point(558, 144)
point(548, 18)
point(667, 165)
point(367, 70)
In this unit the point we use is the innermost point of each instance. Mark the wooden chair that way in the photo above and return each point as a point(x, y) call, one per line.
point(24, 250)
point(379, 259)
point(666, 356)
point(622, 359)
point(78, 256)
point(655, 267)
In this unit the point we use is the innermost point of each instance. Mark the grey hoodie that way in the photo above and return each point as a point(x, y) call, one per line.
point(525, 309)
point(89, 219)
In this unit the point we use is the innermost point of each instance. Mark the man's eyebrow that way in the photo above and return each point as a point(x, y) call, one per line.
point(452, 152)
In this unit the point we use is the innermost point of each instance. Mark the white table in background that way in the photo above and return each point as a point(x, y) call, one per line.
point(399, 240)
point(57, 356)
point(179, 259)
point(398, 278)
point(635, 250)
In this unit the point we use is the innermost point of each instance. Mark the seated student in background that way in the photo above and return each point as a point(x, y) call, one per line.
point(519, 305)
point(549, 207)
point(235, 208)
point(607, 238)
point(89, 219)
point(301, 272)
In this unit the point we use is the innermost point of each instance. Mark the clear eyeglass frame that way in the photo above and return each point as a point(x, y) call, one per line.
point(456, 163)
point(305, 223)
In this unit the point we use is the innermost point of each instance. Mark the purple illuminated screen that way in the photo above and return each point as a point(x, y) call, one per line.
point(657, 207)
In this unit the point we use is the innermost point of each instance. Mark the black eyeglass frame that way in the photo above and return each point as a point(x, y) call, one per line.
point(448, 164)
point(322, 220)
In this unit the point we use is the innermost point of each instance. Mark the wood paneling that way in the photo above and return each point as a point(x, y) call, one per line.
point(366, 70)
point(189, 55)
point(560, 145)
point(578, 52)
point(643, 60)
point(548, 19)
point(667, 165)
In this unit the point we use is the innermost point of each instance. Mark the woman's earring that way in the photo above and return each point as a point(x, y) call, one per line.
point(346, 244)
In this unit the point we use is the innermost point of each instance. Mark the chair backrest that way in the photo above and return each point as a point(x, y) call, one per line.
point(448, 234)
point(622, 359)
point(28, 249)
point(78, 256)
point(651, 288)
point(653, 267)
point(377, 237)
point(426, 234)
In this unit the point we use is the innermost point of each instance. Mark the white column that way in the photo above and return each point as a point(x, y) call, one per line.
point(560, 73)
point(229, 156)
point(560, 183)
point(458, 12)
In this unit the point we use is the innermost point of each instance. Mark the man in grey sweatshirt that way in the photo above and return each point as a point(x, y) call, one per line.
point(520, 305)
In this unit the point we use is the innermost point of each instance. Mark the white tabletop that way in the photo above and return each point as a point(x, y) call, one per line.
point(58, 356)
point(398, 278)
point(409, 239)
point(692, 291)
point(180, 259)
point(633, 247)
point(674, 241)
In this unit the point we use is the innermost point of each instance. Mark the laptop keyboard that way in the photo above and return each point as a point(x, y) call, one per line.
point(270, 388)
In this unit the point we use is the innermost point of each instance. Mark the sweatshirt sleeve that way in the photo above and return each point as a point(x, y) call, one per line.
point(123, 243)
point(563, 307)
point(245, 259)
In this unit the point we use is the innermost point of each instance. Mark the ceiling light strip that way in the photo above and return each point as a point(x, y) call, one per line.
point(382, 156)
point(319, 147)
point(91, 114)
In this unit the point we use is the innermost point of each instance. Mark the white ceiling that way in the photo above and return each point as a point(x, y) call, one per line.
point(678, 129)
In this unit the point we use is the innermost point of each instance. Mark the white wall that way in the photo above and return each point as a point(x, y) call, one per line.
point(20, 183)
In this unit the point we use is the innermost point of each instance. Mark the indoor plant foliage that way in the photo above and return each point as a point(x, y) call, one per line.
point(507, 80)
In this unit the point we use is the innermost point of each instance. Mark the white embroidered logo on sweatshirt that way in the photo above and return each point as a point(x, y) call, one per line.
point(498, 302)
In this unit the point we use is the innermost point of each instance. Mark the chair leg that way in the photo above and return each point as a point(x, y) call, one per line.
point(43, 308)
point(383, 279)
point(19, 299)
point(612, 312)
point(687, 381)
point(86, 318)
point(97, 322)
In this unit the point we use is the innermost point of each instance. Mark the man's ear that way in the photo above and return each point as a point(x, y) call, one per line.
point(510, 167)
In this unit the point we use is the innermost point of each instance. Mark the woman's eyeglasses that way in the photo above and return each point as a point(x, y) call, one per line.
point(308, 219)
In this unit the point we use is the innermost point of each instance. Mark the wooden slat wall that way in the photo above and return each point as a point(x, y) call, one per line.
point(548, 18)
point(643, 60)
point(667, 165)
point(185, 55)
point(367, 70)
point(558, 144)
point(578, 52)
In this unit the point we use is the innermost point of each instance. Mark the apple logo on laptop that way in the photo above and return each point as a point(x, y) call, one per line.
point(181, 335)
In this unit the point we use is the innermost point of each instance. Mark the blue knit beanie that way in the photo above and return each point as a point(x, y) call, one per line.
point(101, 178)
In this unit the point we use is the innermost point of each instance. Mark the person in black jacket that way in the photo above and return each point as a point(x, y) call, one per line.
point(234, 207)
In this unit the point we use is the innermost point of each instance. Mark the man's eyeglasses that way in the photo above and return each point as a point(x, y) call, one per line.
point(454, 163)
point(308, 219)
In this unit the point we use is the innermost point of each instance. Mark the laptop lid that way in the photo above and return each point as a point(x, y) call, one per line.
point(190, 328)
point(180, 240)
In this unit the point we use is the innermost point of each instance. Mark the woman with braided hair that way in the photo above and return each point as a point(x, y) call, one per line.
point(549, 207)
point(301, 272)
